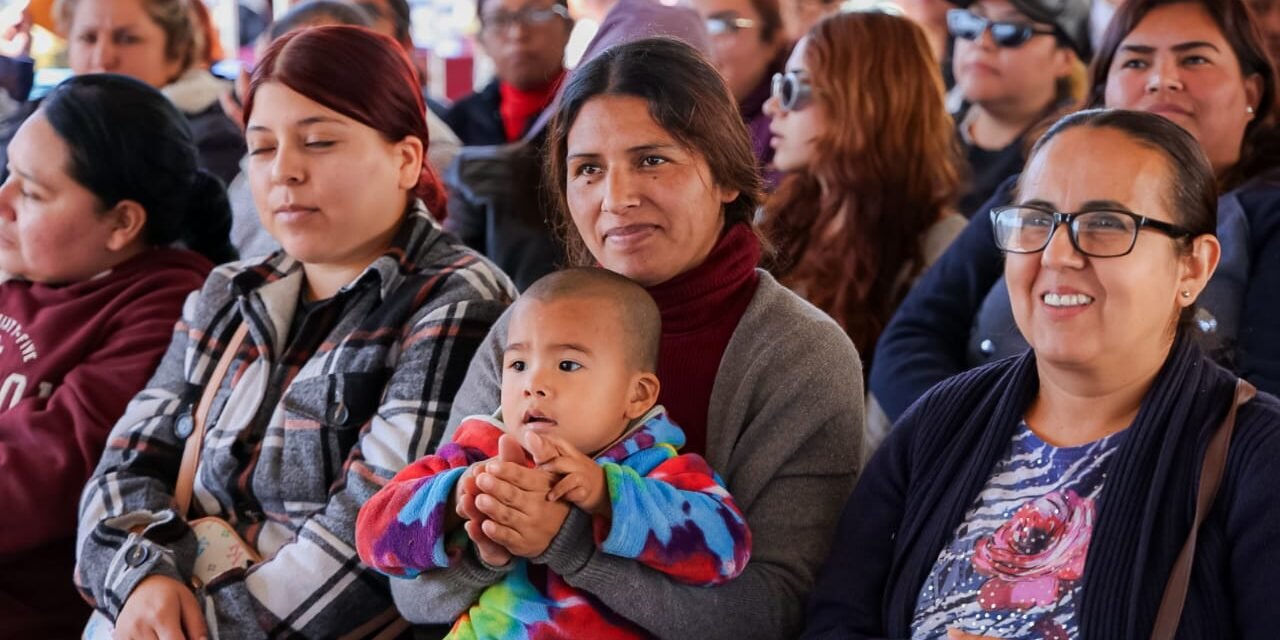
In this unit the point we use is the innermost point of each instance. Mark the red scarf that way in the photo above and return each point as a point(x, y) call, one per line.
point(519, 107)
point(700, 311)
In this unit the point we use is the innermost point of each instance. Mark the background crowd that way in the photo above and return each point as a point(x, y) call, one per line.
point(964, 313)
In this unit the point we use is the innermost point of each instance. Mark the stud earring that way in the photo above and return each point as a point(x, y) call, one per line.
point(1186, 294)
point(1249, 109)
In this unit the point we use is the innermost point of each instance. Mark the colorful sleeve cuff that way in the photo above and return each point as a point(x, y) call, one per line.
point(416, 540)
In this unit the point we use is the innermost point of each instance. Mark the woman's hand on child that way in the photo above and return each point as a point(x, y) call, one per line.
point(462, 499)
point(161, 607)
point(471, 518)
point(493, 554)
point(465, 492)
point(514, 499)
point(582, 483)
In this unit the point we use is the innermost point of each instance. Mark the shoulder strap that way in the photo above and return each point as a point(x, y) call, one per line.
point(195, 441)
point(1211, 470)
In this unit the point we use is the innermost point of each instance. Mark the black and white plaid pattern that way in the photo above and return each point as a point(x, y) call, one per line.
point(302, 431)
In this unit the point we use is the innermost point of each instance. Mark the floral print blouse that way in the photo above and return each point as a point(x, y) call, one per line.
point(1015, 567)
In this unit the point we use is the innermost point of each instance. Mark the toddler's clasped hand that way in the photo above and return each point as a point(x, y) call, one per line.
point(506, 508)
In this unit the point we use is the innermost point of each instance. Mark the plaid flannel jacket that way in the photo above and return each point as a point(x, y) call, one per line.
point(303, 430)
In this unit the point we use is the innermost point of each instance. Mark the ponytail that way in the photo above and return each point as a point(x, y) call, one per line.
point(206, 226)
point(128, 142)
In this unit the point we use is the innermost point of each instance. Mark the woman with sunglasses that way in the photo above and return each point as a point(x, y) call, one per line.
point(655, 180)
point(871, 167)
point(1016, 64)
point(1201, 64)
point(1050, 495)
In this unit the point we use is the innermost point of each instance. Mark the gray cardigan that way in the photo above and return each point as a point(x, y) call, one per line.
point(784, 431)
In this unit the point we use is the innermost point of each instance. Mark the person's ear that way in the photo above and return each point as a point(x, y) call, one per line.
point(563, 42)
point(127, 220)
point(1064, 62)
point(644, 394)
point(1197, 267)
point(411, 153)
point(1253, 95)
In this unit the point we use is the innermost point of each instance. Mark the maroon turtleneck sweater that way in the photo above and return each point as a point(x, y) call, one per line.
point(700, 311)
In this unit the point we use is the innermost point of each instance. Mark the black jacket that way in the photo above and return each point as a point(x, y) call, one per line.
point(476, 119)
point(499, 206)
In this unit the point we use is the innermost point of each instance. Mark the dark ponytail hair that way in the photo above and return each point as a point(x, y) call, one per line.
point(128, 142)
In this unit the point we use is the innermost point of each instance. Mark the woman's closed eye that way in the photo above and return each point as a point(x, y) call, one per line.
point(23, 191)
point(320, 144)
point(261, 150)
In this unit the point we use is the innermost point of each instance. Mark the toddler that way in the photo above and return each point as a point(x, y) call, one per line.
point(579, 398)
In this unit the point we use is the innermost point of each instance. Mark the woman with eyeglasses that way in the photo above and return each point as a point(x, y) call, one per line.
point(871, 169)
point(1201, 64)
point(1016, 64)
point(1072, 491)
point(526, 41)
point(654, 179)
point(748, 46)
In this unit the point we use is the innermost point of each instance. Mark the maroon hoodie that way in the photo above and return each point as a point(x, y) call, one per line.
point(71, 358)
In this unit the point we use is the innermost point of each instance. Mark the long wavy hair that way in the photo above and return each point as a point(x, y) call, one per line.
point(891, 165)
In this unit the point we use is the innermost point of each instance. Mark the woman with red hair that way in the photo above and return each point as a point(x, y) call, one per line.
point(872, 169)
point(358, 336)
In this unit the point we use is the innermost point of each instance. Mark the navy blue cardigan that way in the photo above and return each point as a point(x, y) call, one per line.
point(929, 337)
point(918, 486)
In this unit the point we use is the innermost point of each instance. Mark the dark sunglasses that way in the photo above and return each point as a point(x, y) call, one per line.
point(792, 90)
point(964, 24)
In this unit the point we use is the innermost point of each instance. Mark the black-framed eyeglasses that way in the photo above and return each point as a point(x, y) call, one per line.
point(962, 23)
point(792, 90)
point(528, 16)
point(724, 25)
point(1099, 233)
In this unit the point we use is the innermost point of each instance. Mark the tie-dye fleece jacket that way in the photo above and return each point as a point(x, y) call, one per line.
point(671, 513)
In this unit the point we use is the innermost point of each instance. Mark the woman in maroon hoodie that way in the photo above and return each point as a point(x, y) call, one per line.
point(103, 178)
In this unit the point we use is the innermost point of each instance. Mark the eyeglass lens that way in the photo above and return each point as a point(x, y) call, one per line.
point(502, 20)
